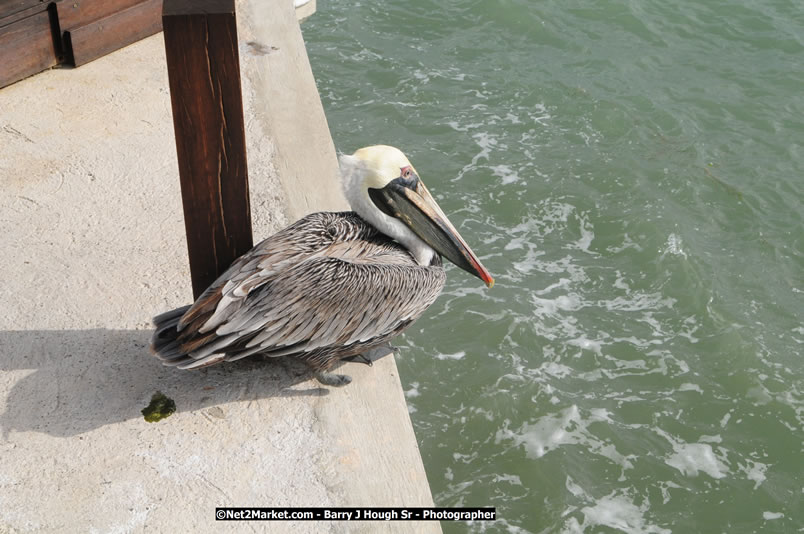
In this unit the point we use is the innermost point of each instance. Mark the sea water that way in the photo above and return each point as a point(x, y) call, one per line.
point(632, 174)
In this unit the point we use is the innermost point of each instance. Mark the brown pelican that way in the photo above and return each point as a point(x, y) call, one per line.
point(330, 286)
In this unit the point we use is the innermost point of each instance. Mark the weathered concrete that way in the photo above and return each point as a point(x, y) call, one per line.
point(304, 8)
point(91, 232)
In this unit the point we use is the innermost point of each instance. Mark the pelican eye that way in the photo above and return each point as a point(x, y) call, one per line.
point(408, 177)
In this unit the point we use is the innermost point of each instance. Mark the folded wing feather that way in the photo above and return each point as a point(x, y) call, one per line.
point(328, 281)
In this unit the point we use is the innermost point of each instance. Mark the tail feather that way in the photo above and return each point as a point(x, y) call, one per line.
point(189, 350)
point(164, 343)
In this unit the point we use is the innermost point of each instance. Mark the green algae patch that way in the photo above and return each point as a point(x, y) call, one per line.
point(160, 408)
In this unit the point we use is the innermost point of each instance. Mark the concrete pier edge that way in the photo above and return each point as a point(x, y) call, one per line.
point(91, 226)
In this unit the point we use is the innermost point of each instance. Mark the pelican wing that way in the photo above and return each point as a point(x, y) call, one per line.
point(328, 281)
point(258, 266)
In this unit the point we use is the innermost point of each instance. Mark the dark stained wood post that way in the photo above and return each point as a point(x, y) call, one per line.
point(204, 73)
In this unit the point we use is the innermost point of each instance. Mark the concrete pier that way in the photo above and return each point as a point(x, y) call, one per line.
point(92, 238)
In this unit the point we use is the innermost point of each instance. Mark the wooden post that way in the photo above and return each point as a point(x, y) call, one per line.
point(204, 73)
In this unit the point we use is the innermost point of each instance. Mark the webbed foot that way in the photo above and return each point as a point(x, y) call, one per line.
point(360, 358)
point(331, 379)
point(370, 356)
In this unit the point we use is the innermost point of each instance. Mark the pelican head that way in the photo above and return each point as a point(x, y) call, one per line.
point(385, 190)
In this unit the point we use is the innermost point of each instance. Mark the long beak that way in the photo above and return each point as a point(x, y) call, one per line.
point(420, 212)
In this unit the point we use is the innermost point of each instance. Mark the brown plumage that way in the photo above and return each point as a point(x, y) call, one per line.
point(327, 287)
point(331, 285)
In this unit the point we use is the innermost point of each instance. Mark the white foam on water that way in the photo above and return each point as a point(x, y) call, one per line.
point(555, 318)
point(632, 367)
point(693, 458)
point(546, 434)
point(692, 325)
point(506, 173)
point(574, 488)
point(638, 301)
point(620, 283)
point(627, 243)
point(529, 263)
point(413, 391)
point(487, 142)
point(458, 128)
point(754, 471)
point(557, 212)
point(465, 458)
point(562, 283)
point(620, 513)
point(487, 414)
point(363, 54)
point(539, 114)
point(511, 479)
point(770, 516)
point(725, 420)
point(673, 246)
point(513, 119)
point(616, 510)
point(760, 395)
point(499, 521)
point(587, 235)
point(555, 369)
point(544, 307)
point(690, 387)
point(711, 439)
point(587, 344)
point(567, 427)
point(516, 243)
point(635, 341)
point(666, 486)
point(454, 356)
point(798, 330)
point(457, 489)
point(600, 414)
point(549, 216)
point(419, 75)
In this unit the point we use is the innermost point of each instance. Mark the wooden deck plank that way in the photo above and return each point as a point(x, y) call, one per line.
point(95, 39)
point(26, 48)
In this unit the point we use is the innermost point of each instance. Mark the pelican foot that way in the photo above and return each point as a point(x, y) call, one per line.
point(360, 358)
point(372, 355)
point(331, 379)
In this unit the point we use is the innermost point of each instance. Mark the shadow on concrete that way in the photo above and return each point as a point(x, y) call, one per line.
point(67, 382)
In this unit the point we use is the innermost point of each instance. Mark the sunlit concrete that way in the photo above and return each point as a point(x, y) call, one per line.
point(92, 242)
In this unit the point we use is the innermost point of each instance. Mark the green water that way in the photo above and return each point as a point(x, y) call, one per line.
point(631, 173)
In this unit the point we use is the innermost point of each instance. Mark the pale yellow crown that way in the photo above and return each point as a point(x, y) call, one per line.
point(384, 164)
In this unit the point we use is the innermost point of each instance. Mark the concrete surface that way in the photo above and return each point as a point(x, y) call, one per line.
point(304, 8)
point(92, 237)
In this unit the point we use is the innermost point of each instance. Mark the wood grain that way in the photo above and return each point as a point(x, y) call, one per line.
point(198, 7)
point(76, 13)
point(95, 39)
point(204, 74)
point(11, 7)
point(26, 47)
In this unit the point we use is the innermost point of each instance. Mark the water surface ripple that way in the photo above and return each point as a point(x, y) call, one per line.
point(631, 173)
